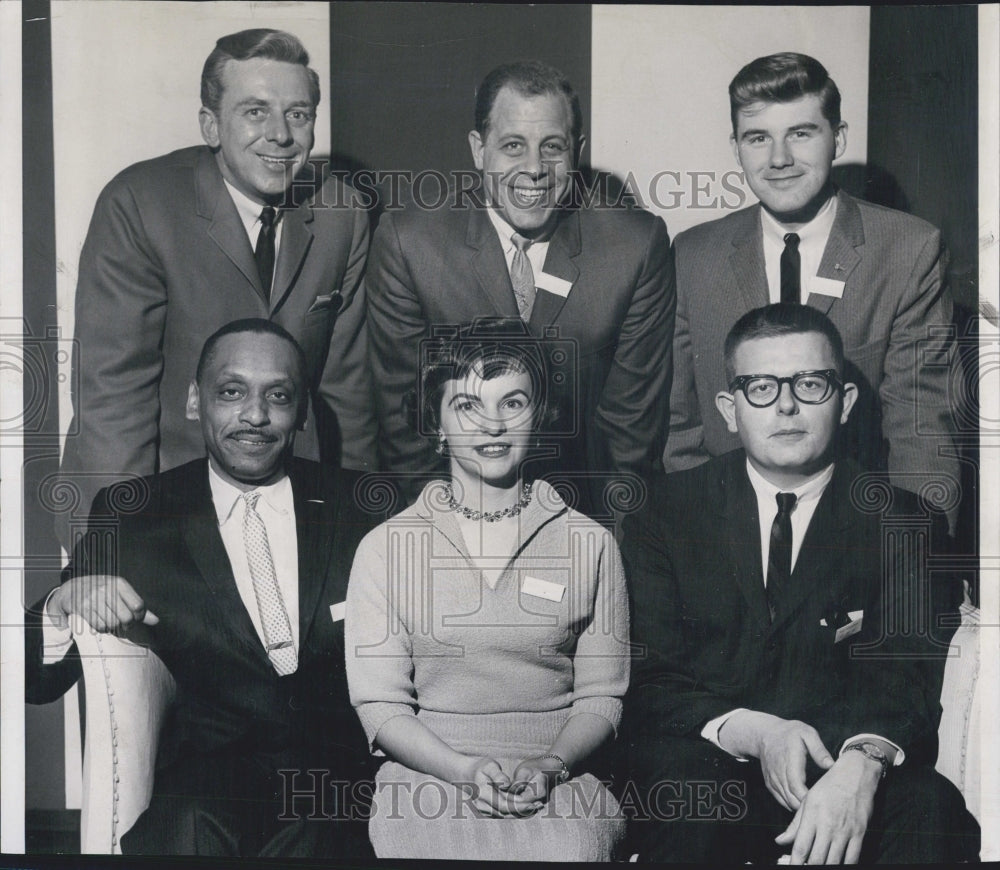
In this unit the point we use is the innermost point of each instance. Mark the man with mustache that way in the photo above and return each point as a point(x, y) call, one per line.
point(234, 572)
point(790, 633)
point(878, 274)
point(518, 246)
point(181, 244)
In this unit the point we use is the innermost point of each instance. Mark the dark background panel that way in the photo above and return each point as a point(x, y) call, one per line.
point(404, 75)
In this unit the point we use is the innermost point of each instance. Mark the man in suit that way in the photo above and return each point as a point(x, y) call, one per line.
point(234, 572)
point(600, 278)
point(186, 242)
point(878, 274)
point(785, 693)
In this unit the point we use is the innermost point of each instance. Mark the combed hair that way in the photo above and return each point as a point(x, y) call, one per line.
point(258, 42)
point(781, 78)
point(254, 326)
point(490, 347)
point(530, 78)
point(782, 318)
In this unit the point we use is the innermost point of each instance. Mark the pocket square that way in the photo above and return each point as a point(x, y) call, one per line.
point(322, 303)
point(337, 611)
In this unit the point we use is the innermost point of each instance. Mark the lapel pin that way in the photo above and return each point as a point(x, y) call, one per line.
point(838, 267)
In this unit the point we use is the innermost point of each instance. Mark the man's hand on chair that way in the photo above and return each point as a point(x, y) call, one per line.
point(107, 602)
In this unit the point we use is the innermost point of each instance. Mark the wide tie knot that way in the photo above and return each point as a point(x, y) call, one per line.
point(522, 243)
point(786, 501)
point(250, 498)
point(792, 241)
point(268, 215)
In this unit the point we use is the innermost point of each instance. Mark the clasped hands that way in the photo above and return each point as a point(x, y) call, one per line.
point(107, 602)
point(500, 796)
point(832, 816)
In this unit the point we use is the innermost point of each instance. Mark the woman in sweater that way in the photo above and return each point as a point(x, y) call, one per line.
point(487, 636)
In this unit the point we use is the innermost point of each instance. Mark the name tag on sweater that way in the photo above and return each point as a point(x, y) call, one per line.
point(827, 287)
point(337, 611)
point(559, 286)
point(542, 588)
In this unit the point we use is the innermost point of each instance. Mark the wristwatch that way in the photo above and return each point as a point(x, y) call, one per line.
point(869, 750)
point(562, 775)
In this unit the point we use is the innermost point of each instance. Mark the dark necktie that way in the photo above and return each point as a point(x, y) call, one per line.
point(791, 268)
point(522, 276)
point(779, 554)
point(264, 253)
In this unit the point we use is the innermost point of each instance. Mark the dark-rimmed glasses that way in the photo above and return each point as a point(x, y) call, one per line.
point(812, 388)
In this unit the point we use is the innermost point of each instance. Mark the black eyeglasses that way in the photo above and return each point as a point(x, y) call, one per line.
point(812, 388)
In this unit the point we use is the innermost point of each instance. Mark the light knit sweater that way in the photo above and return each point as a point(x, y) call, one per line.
point(424, 630)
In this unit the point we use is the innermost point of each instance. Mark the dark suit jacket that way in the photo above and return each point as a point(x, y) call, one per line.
point(693, 559)
point(166, 262)
point(895, 293)
point(229, 698)
point(447, 267)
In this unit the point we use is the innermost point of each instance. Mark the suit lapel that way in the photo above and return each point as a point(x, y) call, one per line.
point(296, 237)
point(840, 257)
point(204, 544)
point(747, 261)
point(563, 247)
point(489, 264)
point(215, 205)
point(739, 514)
point(315, 535)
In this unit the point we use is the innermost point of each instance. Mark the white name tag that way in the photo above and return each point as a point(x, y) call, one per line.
point(542, 588)
point(337, 611)
point(559, 286)
point(827, 287)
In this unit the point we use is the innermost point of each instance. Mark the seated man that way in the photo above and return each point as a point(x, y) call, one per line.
point(231, 573)
point(785, 693)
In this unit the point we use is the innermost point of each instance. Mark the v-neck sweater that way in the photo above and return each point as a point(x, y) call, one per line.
point(424, 631)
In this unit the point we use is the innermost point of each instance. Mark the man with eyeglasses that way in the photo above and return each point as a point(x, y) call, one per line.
point(785, 690)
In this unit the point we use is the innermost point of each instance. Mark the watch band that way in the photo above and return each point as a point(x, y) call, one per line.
point(869, 750)
point(563, 775)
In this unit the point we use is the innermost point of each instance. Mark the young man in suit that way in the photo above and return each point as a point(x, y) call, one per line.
point(878, 274)
point(234, 572)
point(181, 244)
point(517, 246)
point(785, 691)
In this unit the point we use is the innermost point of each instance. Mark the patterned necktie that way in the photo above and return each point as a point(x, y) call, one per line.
point(273, 616)
point(264, 252)
point(791, 268)
point(779, 554)
point(522, 277)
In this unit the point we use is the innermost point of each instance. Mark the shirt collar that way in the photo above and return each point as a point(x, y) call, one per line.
point(249, 210)
point(225, 495)
point(818, 229)
point(505, 231)
point(811, 488)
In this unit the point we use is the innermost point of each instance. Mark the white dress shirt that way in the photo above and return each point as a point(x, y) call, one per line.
point(277, 509)
point(807, 498)
point(813, 237)
point(536, 252)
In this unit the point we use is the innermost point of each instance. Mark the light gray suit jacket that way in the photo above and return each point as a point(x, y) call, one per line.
point(894, 317)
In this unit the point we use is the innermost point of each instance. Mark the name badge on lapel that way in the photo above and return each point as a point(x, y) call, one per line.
point(827, 287)
point(542, 588)
point(337, 611)
point(558, 286)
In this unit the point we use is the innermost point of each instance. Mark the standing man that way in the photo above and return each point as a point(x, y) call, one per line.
point(518, 247)
point(235, 574)
point(790, 647)
point(181, 244)
point(879, 274)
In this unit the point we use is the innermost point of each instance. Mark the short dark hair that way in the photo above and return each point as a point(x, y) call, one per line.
point(781, 78)
point(258, 42)
point(781, 318)
point(491, 347)
point(531, 78)
point(254, 326)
